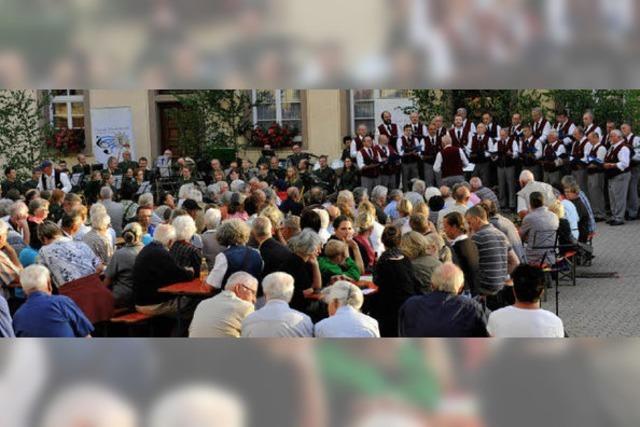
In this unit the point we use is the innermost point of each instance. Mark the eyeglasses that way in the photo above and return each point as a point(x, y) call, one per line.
point(254, 293)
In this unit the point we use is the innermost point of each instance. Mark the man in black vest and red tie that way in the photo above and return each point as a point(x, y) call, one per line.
point(611, 125)
point(553, 159)
point(369, 165)
point(418, 129)
point(450, 162)
point(516, 126)
point(531, 152)
point(633, 142)
point(478, 152)
point(467, 124)
point(409, 149)
point(565, 128)
point(441, 130)
point(540, 127)
point(616, 168)
point(432, 146)
point(358, 141)
point(52, 179)
point(386, 127)
point(493, 130)
point(504, 153)
point(589, 125)
point(390, 162)
point(459, 134)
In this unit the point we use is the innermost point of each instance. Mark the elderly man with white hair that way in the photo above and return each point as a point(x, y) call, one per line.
point(276, 318)
point(528, 185)
point(210, 246)
point(483, 192)
point(443, 312)
point(415, 196)
point(44, 315)
point(344, 301)
point(155, 268)
point(115, 210)
point(19, 234)
point(450, 162)
point(222, 315)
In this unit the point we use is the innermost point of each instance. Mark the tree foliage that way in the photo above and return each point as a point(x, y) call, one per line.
point(24, 129)
point(212, 119)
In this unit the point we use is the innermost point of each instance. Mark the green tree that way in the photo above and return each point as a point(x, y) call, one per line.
point(212, 119)
point(24, 129)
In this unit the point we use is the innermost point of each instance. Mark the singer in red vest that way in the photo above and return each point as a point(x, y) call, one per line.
point(565, 128)
point(432, 146)
point(389, 163)
point(369, 165)
point(540, 126)
point(441, 129)
point(616, 167)
point(579, 157)
point(589, 125)
point(595, 176)
point(387, 128)
point(409, 149)
point(553, 160)
point(459, 133)
point(504, 154)
point(478, 153)
point(450, 163)
point(358, 141)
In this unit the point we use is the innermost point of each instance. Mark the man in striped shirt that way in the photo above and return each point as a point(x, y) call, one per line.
point(496, 258)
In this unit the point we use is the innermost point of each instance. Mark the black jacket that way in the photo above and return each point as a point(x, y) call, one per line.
point(465, 256)
point(155, 268)
point(274, 254)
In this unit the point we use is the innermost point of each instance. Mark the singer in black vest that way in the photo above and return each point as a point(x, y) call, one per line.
point(579, 152)
point(595, 177)
point(504, 153)
point(409, 149)
point(369, 165)
point(616, 167)
point(432, 146)
point(633, 142)
point(478, 152)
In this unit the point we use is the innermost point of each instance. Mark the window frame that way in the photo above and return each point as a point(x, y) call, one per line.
point(376, 93)
point(67, 99)
point(278, 102)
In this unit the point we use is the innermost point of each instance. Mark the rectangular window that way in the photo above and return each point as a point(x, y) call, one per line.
point(67, 108)
point(281, 106)
point(368, 104)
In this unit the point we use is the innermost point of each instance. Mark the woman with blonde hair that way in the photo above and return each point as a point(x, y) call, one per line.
point(566, 240)
point(346, 203)
point(364, 227)
point(405, 209)
point(378, 228)
point(423, 253)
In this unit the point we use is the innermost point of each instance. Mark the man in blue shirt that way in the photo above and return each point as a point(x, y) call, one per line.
point(6, 330)
point(46, 315)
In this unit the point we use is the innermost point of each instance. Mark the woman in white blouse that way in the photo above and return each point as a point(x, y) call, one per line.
point(344, 300)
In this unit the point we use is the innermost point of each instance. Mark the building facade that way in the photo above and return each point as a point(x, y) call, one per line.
point(322, 117)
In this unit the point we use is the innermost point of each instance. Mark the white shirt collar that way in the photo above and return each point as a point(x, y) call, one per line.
point(459, 238)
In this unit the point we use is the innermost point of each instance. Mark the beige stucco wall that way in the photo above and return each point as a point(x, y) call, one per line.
point(138, 101)
point(323, 117)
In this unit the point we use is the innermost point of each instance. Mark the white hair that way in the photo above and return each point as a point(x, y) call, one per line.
point(379, 191)
point(165, 234)
point(526, 176)
point(146, 200)
point(305, 243)
point(617, 133)
point(212, 218)
point(198, 405)
point(100, 221)
point(324, 217)
point(106, 193)
point(18, 207)
point(475, 183)
point(553, 132)
point(447, 277)
point(185, 227)
point(419, 186)
point(346, 293)
point(278, 286)
point(89, 404)
point(34, 278)
point(262, 227)
point(242, 278)
point(237, 186)
point(96, 208)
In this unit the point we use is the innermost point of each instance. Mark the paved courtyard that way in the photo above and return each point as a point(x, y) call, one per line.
point(605, 307)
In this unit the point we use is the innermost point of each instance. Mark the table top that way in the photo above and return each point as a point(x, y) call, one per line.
point(195, 287)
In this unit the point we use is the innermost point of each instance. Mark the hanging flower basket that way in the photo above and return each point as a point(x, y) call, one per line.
point(276, 136)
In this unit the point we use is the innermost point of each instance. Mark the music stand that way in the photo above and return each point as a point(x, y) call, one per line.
point(117, 181)
point(551, 251)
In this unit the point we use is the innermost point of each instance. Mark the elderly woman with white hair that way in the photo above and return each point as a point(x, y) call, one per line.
point(233, 234)
point(303, 266)
point(119, 272)
point(155, 268)
point(443, 312)
point(344, 301)
point(210, 246)
point(276, 318)
point(423, 253)
point(182, 250)
point(99, 239)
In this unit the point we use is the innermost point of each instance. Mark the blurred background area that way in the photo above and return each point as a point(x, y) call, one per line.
point(330, 44)
point(359, 383)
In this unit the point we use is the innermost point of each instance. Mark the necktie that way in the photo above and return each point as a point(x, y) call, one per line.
point(458, 134)
point(389, 128)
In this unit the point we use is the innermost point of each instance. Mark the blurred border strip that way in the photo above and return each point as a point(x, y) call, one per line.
point(188, 44)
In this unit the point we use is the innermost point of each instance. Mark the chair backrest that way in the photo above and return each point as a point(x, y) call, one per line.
point(546, 242)
point(92, 296)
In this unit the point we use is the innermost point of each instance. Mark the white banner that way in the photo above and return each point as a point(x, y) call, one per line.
point(112, 133)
